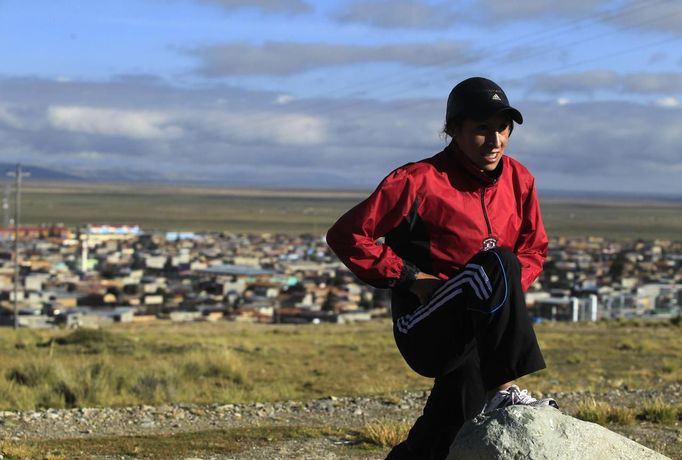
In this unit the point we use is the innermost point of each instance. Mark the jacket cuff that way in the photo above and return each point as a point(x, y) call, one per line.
point(407, 274)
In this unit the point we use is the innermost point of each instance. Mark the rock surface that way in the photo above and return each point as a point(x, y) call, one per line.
point(534, 433)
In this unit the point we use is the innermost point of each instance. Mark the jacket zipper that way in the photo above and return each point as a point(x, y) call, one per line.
point(485, 213)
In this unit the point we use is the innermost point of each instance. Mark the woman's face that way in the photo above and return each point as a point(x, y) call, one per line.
point(483, 142)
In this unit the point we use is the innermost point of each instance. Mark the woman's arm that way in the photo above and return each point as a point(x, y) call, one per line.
point(532, 243)
point(354, 236)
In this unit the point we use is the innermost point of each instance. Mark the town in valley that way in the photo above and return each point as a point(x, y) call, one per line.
point(101, 274)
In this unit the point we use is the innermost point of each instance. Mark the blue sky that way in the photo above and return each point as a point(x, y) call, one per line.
point(295, 93)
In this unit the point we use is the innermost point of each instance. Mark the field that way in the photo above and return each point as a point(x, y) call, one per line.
point(226, 362)
point(590, 366)
point(231, 363)
point(304, 211)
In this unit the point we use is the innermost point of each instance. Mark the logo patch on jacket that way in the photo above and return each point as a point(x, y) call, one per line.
point(489, 243)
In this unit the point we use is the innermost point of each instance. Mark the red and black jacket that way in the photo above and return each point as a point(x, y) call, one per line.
point(435, 214)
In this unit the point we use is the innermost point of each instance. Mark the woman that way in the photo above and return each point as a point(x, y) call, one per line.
point(463, 240)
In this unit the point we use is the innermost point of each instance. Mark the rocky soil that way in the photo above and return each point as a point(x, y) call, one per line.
point(331, 411)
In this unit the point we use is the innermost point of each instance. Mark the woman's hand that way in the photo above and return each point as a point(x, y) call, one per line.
point(424, 286)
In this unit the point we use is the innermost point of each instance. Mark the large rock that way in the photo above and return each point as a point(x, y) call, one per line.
point(534, 433)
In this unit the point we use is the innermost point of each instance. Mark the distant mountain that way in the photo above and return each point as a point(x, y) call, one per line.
point(121, 174)
point(37, 173)
point(583, 195)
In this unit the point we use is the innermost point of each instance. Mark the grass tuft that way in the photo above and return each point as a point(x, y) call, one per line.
point(658, 412)
point(384, 434)
point(602, 413)
point(621, 416)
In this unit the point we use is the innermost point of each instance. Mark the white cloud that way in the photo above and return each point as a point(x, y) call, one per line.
point(89, 156)
point(668, 102)
point(135, 124)
point(288, 129)
point(284, 99)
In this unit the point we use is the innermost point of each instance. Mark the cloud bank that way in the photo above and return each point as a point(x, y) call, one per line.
point(231, 136)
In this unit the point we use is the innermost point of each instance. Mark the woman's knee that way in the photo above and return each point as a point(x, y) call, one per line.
point(508, 257)
point(498, 257)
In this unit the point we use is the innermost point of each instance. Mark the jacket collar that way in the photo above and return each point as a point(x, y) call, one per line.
point(460, 160)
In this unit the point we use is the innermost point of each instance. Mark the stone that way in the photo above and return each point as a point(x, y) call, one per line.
point(541, 433)
point(147, 423)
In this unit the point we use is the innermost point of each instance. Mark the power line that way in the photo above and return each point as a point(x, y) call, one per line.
point(321, 107)
point(576, 63)
point(490, 54)
point(357, 102)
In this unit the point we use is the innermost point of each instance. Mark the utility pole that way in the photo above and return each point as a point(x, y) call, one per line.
point(5, 206)
point(18, 174)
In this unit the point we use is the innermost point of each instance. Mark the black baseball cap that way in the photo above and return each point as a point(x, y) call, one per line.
point(479, 98)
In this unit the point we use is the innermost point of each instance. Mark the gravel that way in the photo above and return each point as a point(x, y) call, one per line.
point(343, 412)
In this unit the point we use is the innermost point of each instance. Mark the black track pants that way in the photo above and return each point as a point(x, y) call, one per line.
point(473, 335)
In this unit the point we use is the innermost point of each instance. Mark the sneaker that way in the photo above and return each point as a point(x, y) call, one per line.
point(515, 396)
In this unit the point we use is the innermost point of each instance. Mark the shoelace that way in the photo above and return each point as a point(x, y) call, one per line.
point(520, 396)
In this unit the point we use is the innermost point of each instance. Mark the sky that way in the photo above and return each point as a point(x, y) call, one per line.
point(337, 93)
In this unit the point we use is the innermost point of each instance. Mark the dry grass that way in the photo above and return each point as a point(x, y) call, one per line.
point(384, 433)
point(602, 356)
point(198, 363)
point(233, 363)
point(658, 411)
point(603, 414)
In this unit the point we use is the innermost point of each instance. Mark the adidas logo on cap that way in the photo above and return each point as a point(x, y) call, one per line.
point(496, 97)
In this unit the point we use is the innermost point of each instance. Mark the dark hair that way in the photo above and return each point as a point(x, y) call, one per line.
point(450, 125)
point(455, 122)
